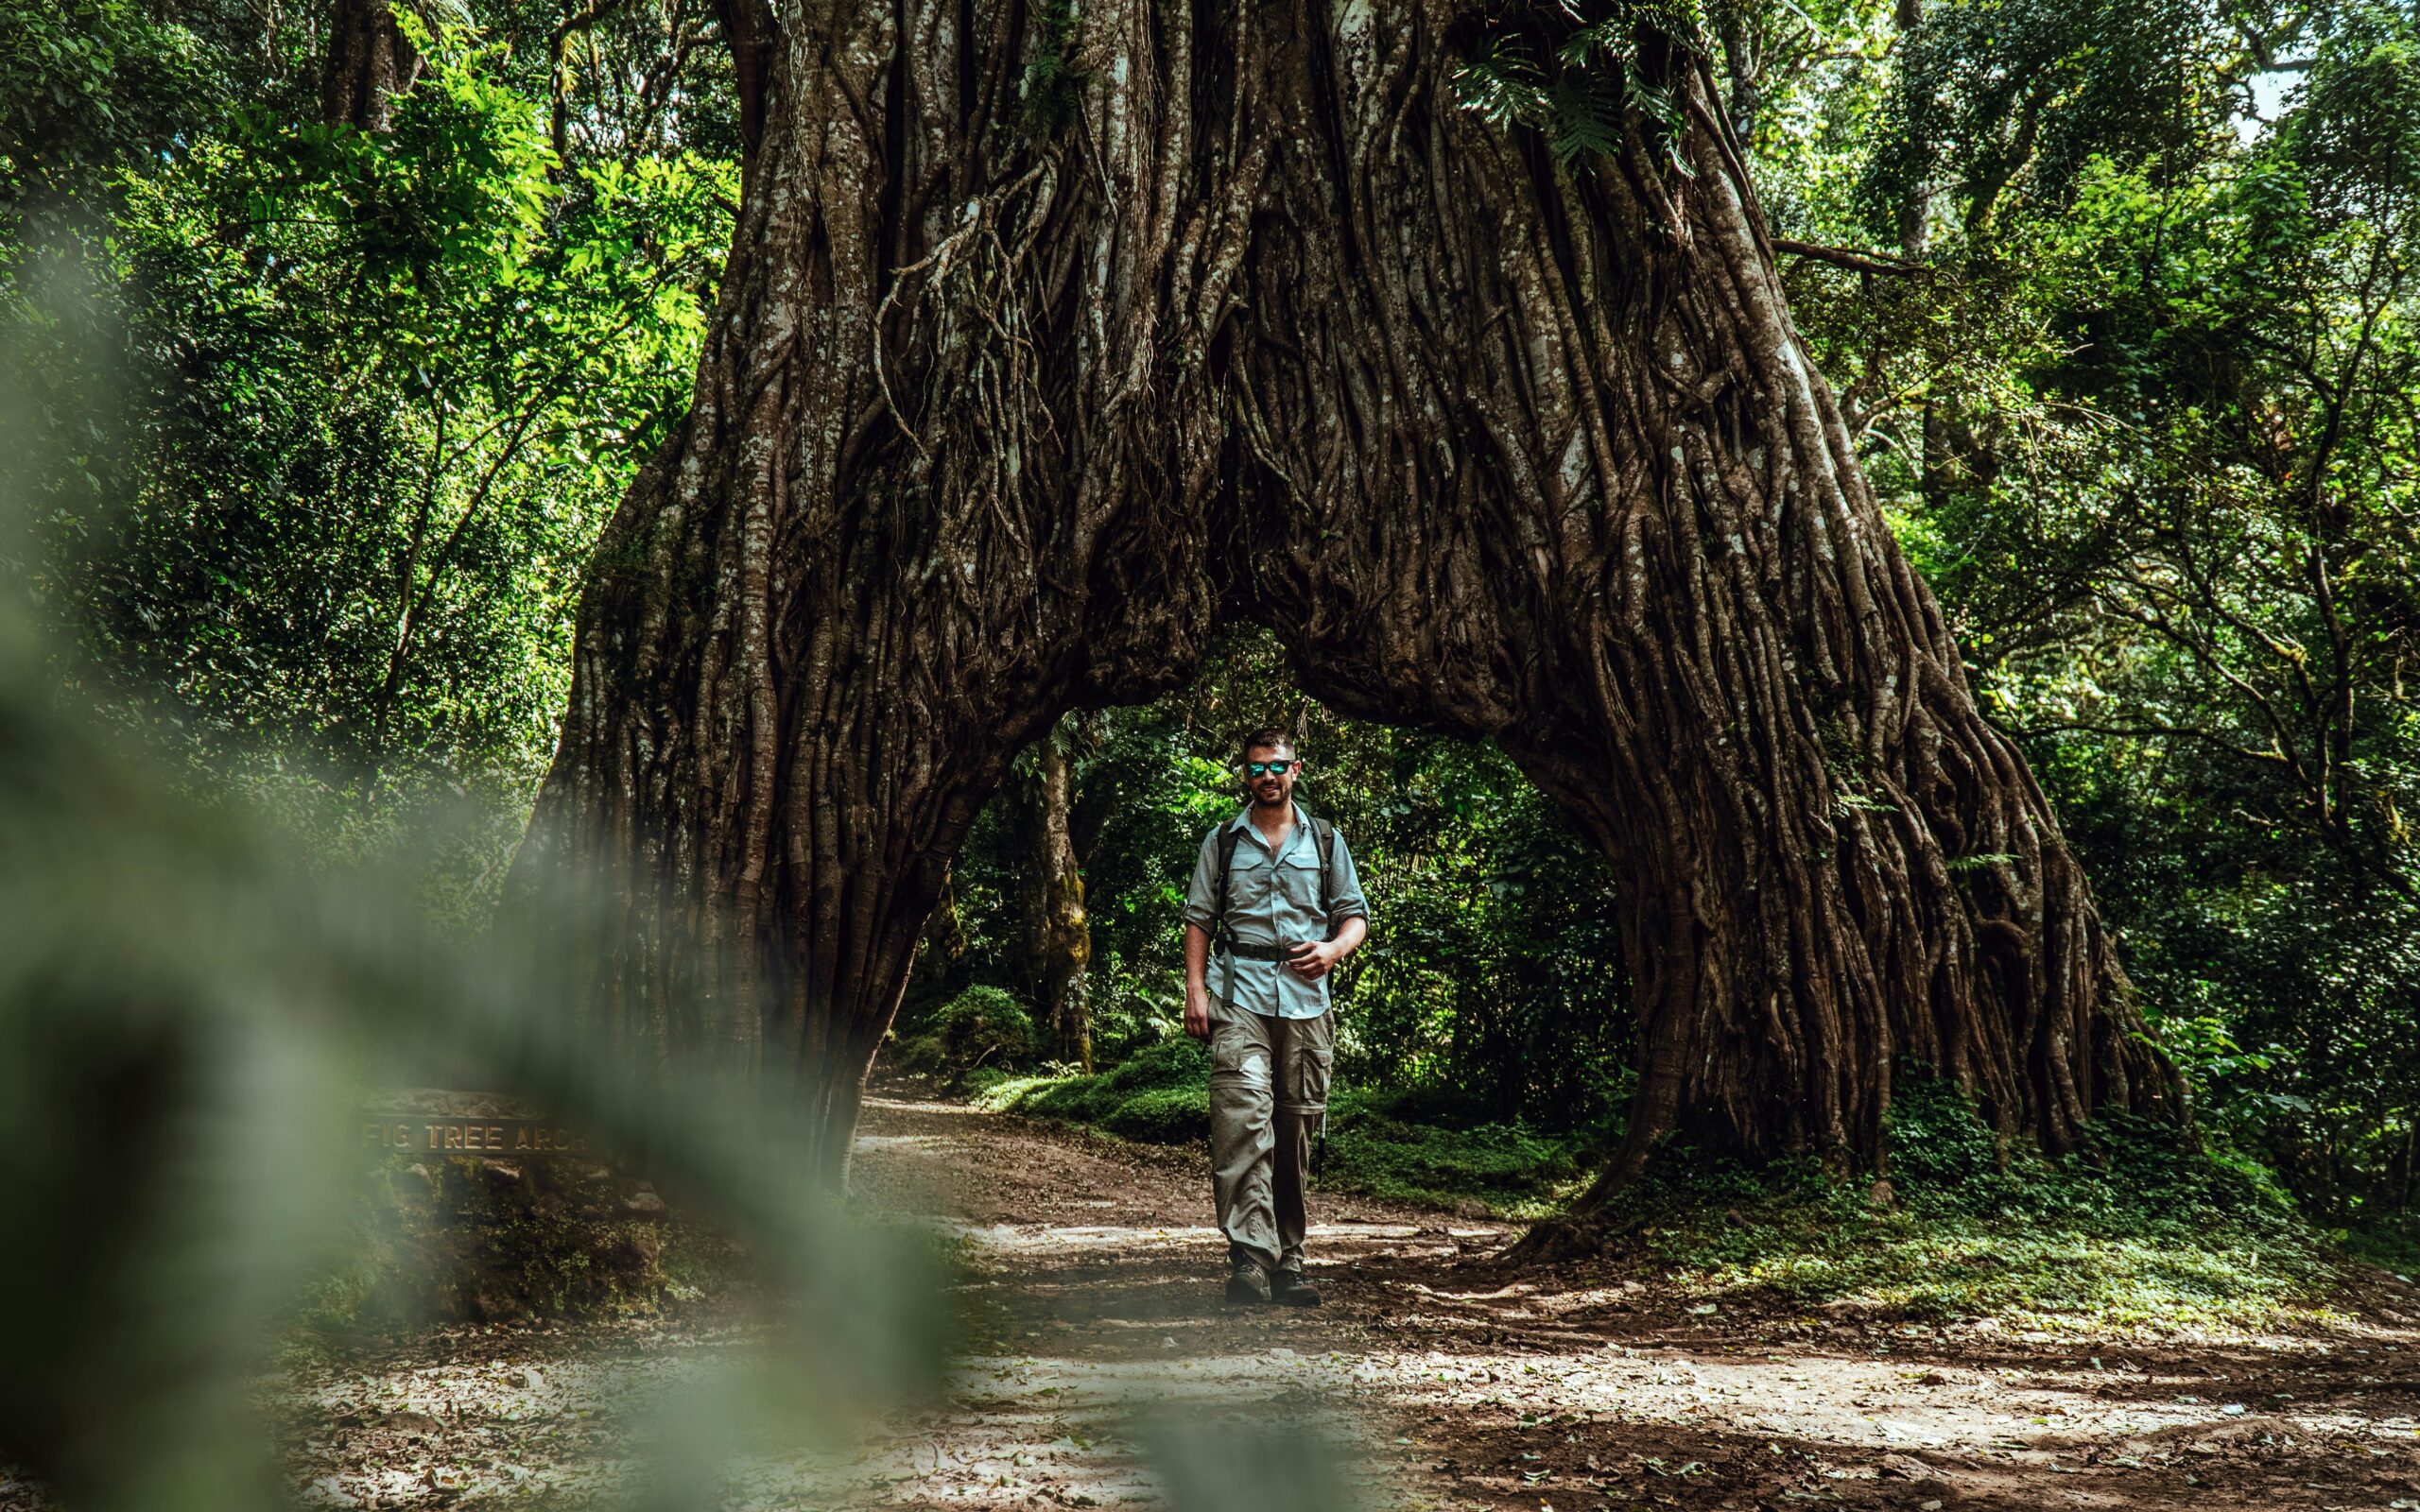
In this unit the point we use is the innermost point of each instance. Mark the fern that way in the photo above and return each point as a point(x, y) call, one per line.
point(1583, 116)
point(1573, 70)
point(1502, 85)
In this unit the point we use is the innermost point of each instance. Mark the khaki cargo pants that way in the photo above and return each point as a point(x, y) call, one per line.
point(1268, 1093)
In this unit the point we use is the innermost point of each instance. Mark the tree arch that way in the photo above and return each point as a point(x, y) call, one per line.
point(1046, 342)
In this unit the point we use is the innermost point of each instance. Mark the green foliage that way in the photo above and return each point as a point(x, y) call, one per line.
point(2143, 419)
point(983, 1027)
point(325, 491)
point(1382, 1146)
point(84, 87)
point(2001, 98)
point(1156, 1084)
point(2138, 1232)
point(1054, 80)
point(1161, 1115)
point(1575, 72)
point(1394, 1146)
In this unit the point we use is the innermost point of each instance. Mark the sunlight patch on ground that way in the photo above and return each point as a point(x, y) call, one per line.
point(1809, 1400)
point(1079, 1433)
point(1080, 1238)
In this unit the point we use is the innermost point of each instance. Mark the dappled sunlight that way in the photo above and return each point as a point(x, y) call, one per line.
point(1606, 1382)
point(1544, 756)
point(1077, 1239)
point(1432, 1378)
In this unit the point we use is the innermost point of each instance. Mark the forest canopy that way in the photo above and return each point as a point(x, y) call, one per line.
point(2119, 301)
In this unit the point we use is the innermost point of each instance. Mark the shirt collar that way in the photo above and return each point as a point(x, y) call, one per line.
point(1244, 818)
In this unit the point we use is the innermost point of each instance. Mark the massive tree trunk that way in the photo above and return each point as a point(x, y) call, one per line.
point(1041, 349)
point(1558, 470)
point(942, 480)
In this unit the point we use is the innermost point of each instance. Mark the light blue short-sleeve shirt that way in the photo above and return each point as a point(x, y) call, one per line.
point(1272, 899)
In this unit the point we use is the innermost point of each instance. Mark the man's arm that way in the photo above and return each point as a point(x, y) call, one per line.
point(1200, 918)
point(1197, 980)
point(1348, 917)
point(1311, 962)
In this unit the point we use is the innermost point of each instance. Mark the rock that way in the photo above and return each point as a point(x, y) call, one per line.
point(416, 1425)
point(639, 1251)
point(1908, 1467)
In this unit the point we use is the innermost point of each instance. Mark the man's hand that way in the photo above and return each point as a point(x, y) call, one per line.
point(1312, 961)
point(1197, 980)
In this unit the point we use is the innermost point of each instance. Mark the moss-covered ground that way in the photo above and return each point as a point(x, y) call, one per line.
point(2143, 1230)
point(1400, 1146)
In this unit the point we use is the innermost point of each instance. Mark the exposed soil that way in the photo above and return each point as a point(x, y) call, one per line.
point(1105, 1370)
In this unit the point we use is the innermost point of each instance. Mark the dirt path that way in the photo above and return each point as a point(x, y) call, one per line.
point(1105, 1370)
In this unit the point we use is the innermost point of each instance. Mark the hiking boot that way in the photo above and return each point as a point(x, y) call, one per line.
point(1247, 1283)
point(1291, 1289)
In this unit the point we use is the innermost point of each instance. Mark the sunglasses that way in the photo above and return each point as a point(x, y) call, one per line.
point(1273, 768)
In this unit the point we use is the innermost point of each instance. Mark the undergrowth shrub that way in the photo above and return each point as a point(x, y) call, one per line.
point(2142, 1228)
point(1508, 1170)
point(983, 1028)
point(1162, 1115)
point(1156, 1081)
point(1380, 1145)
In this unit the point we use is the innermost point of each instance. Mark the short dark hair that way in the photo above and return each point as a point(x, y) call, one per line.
point(1269, 736)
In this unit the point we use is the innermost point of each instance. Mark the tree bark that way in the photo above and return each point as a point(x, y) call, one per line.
point(1042, 348)
point(945, 474)
point(368, 63)
point(1058, 941)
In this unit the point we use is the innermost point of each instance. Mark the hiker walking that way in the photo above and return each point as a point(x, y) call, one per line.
point(1273, 906)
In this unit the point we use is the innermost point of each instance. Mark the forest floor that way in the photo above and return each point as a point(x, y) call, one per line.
point(1104, 1370)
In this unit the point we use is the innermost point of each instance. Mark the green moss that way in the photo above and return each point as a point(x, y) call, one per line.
point(1162, 1115)
point(1505, 1170)
point(463, 1239)
point(1162, 1096)
point(2141, 1231)
point(984, 1031)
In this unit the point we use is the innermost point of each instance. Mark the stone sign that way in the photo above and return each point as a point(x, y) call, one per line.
point(451, 1134)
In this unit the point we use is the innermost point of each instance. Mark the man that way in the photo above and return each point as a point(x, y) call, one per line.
point(1282, 887)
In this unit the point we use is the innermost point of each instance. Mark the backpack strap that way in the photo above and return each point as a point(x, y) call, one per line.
point(1324, 836)
point(1229, 838)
